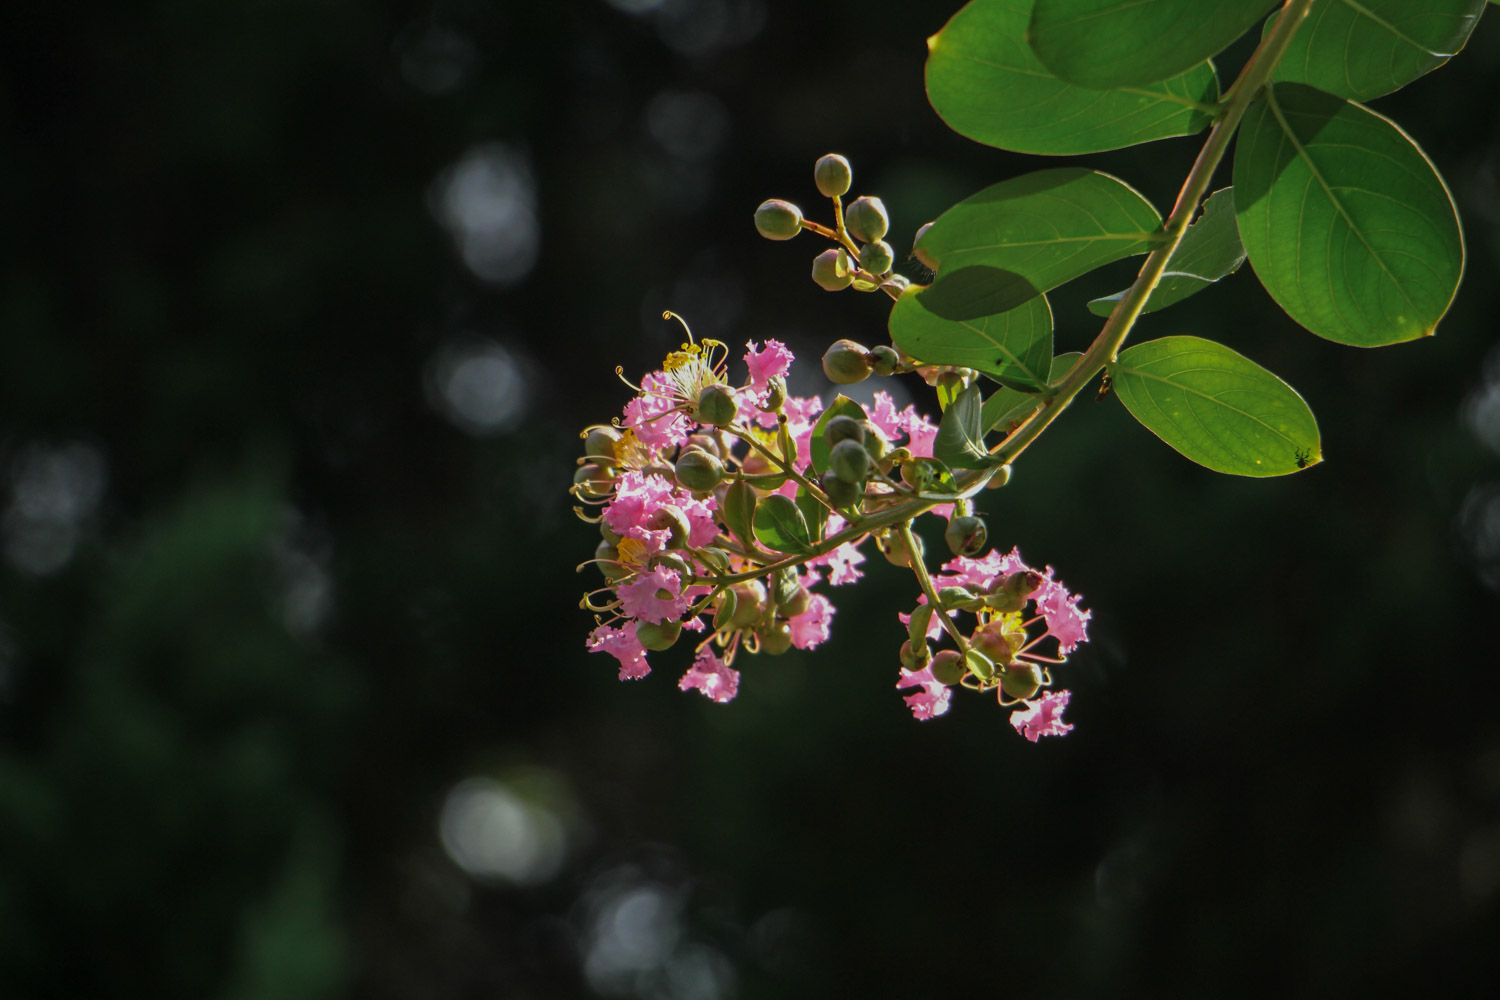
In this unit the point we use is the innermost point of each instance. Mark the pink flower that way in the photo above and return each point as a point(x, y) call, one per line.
point(916, 428)
point(644, 414)
point(710, 675)
point(1065, 620)
point(654, 596)
point(929, 702)
point(1042, 717)
point(842, 564)
point(637, 499)
point(765, 363)
point(621, 643)
point(811, 627)
point(982, 573)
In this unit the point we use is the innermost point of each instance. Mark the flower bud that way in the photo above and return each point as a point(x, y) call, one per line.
point(947, 667)
point(657, 636)
point(778, 220)
point(1011, 593)
point(1021, 680)
point(672, 520)
point(883, 359)
point(775, 393)
point(750, 603)
point(866, 219)
point(876, 257)
point(895, 552)
point(594, 481)
point(965, 535)
point(828, 273)
point(844, 362)
point(913, 659)
point(776, 638)
point(599, 444)
point(699, 471)
point(842, 428)
point(716, 405)
point(842, 493)
point(832, 175)
point(849, 461)
point(797, 603)
point(706, 442)
point(923, 257)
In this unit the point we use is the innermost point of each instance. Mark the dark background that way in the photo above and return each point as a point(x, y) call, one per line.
point(303, 307)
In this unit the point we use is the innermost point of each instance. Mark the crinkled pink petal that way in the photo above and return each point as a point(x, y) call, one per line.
point(923, 433)
point(710, 675)
point(1042, 717)
point(621, 643)
point(636, 498)
point(765, 363)
point(884, 415)
point(644, 414)
point(641, 597)
point(929, 702)
point(811, 627)
point(981, 574)
point(842, 564)
point(1065, 620)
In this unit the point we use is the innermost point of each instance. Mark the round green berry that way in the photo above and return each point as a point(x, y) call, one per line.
point(947, 667)
point(1021, 680)
point(843, 428)
point(966, 535)
point(883, 359)
point(849, 461)
point(845, 362)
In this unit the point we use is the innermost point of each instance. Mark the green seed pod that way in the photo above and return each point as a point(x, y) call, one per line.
point(844, 362)
point(883, 359)
point(842, 428)
point(775, 394)
point(611, 569)
point(866, 219)
point(947, 667)
point(724, 612)
point(658, 636)
point(849, 461)
point(832, 175)
point(923, 257)
point(914, 659)
point(876, 257)
point(716, 405)
point(778, 220)
point(841, 492)
point(594, 481)
point(827, 273)
point(1021, 680)
point(599, 443)
point(699, 471)
point(673, 520)
point(750, 603)
point(979, 665)
point(965, 535)
point(776, 638)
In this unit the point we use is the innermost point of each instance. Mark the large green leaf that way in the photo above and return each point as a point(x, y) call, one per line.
point(960, 436)
point(779, 525)
point(1216, 407)
point(1347, 224)
point(1364, 49)
point(987, 84)
point(1022, 237)
point(1111, 43)
point(842, 406)
point(1013, 347)
point(1210, 250)
point(1008, 407)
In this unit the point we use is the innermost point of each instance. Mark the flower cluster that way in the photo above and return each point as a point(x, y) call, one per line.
point(724, 507)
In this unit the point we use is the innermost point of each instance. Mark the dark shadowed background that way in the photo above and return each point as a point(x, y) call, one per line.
point(303, 307)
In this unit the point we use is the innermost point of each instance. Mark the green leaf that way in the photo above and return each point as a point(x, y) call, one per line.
point(1008, 407)
point(1362, 50)
point(960, 437)
point(1110, 43)
point(813, 512)
point(1216, 407)
point(1022, 237)
point(1346, 222)
point(1013, 346)
point(987, 84)
point(739, 510)
point(780, 525)
point(1210, 250)
point(843, 406)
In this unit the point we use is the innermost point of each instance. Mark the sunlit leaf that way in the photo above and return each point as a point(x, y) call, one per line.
point(779, 525)
point(1345, 220)
point(1022, 237)
point(842, 406)
point(1210, 250)
point(1110, 43)
point(1014, 346)
point(1362, 50)
point(1216, 407)
point(987, 84)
